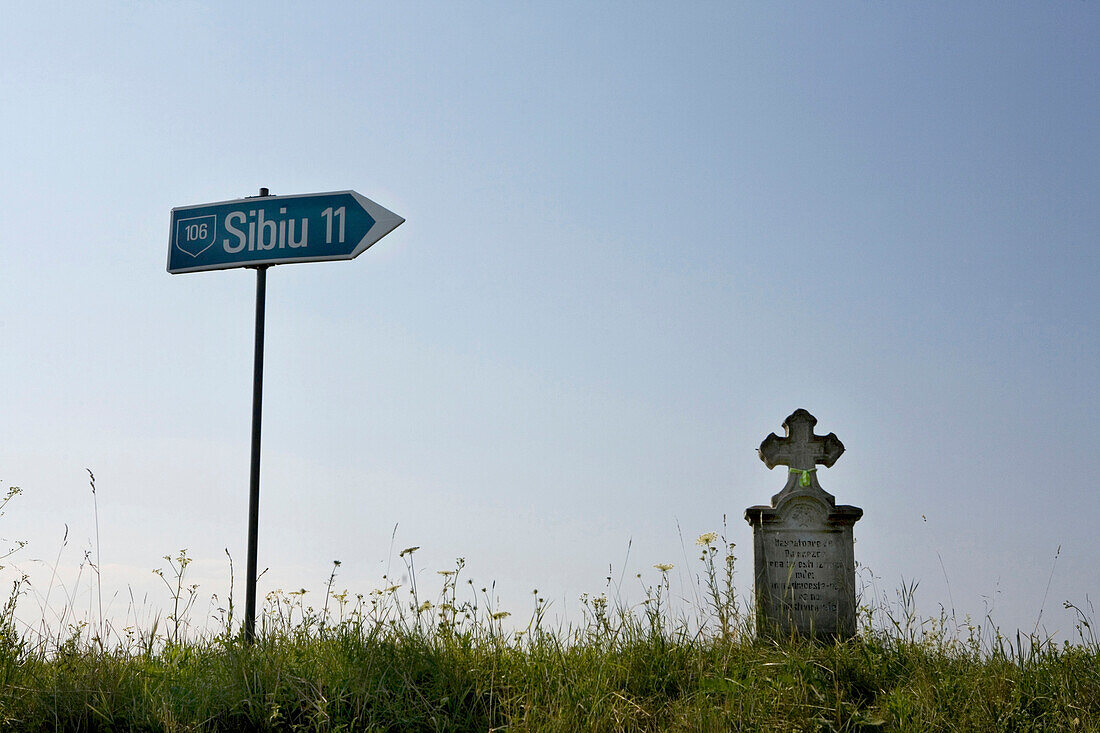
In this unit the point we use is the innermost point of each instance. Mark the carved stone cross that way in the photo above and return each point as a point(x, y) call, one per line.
point(801, 450)
point(805, 568)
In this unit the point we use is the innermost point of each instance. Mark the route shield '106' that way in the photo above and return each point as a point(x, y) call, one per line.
point(273, 230)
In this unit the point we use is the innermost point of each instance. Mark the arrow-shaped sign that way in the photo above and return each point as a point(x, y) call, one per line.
point(274, 230)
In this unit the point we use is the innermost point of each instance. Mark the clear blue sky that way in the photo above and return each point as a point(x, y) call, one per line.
point(638, 236)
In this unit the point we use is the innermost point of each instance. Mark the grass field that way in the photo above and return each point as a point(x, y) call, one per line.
point(390, 660)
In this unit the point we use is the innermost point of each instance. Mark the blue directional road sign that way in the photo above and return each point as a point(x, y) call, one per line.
point(275, 230)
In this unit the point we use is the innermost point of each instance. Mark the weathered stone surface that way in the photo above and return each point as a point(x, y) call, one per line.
point(803, 545)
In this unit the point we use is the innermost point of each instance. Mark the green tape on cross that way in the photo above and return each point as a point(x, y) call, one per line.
point(804, 479)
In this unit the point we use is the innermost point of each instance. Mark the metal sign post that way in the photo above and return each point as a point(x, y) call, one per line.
point(258, 232)
point(254, 470)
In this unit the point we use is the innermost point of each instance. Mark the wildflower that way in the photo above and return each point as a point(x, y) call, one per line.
point(500, 615)
point(425, 606)
point(707, 539)
point(409, 551)
point(664, 567)
point(445, 573)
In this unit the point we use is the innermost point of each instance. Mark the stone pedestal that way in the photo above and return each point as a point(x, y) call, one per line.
point(802, 543)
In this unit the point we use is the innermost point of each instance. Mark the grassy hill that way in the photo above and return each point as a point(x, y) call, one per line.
point(389, 661)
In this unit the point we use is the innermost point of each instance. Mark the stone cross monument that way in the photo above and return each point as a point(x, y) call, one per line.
point(804, 561)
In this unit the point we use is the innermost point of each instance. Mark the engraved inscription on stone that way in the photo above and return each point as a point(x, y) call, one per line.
point(803, 545)
point(804, 568)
